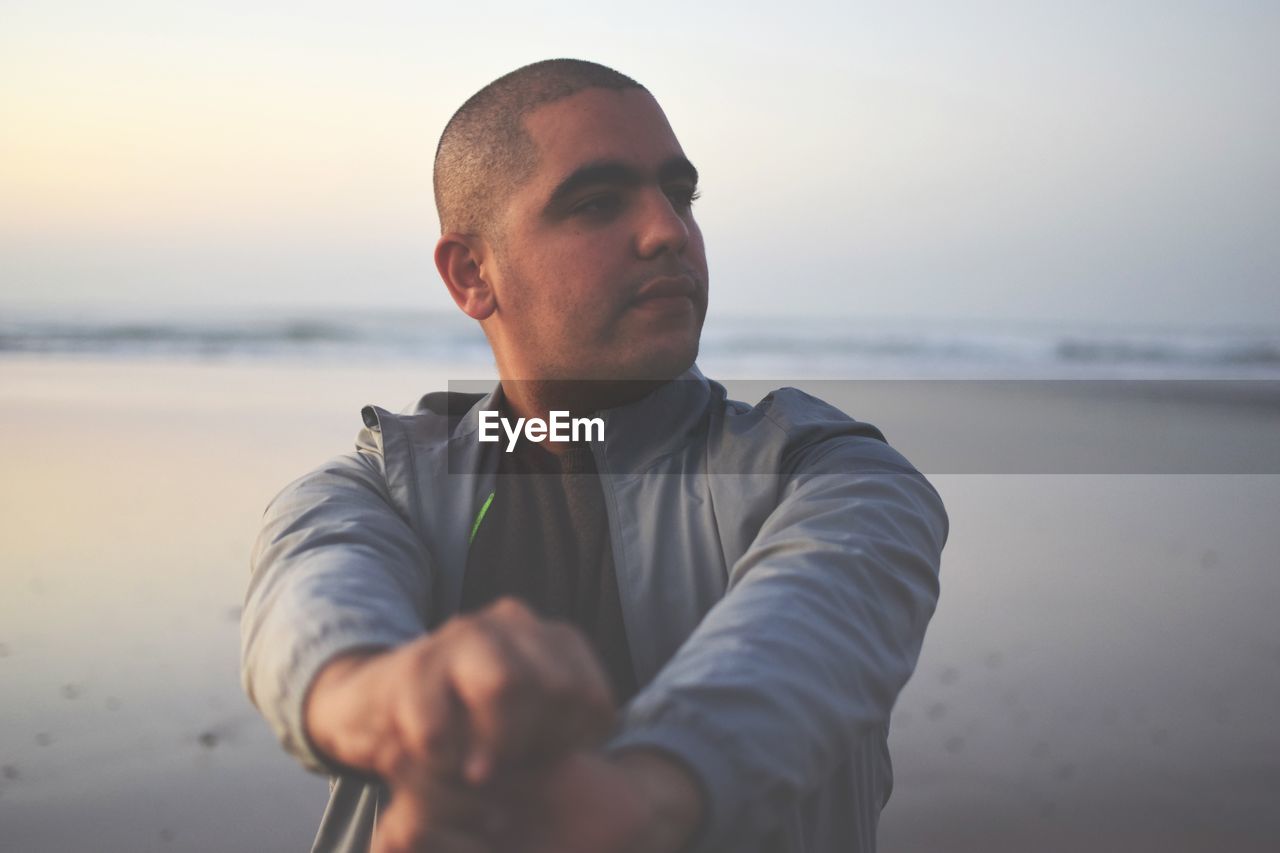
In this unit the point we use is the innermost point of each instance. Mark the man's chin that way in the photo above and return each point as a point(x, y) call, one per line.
point(659, 366)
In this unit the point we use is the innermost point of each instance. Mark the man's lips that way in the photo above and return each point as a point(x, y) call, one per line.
point(668, 287)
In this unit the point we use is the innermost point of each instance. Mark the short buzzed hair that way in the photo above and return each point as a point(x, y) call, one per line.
point(485, 151)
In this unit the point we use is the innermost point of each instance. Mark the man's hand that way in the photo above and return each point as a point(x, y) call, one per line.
point(638, 802)
point(436, 719)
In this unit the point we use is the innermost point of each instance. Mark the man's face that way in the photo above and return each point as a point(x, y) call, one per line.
point(601, 272)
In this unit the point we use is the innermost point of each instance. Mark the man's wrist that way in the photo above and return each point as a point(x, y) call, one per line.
point(333, 709)
point(673, 794)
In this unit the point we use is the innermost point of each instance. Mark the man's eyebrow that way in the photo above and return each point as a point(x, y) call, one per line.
point(620, 174)
point(676, 168)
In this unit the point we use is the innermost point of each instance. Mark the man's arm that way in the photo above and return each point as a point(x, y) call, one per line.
point(336, 657)
point(806, 653)
point(335, 570)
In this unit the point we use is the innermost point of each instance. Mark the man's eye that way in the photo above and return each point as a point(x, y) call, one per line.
point(682, 198)
point(598, 205)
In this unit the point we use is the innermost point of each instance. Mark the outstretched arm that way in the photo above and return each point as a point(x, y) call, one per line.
point(483, 724)
point(804, 656)
point(335, 570)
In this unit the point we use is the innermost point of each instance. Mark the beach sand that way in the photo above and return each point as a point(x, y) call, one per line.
point(1103, 672)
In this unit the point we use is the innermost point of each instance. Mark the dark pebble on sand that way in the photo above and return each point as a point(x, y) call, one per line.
point(9, 772)
point(937, 711)
point(994, 660)
point(208, 740)
point(949, 675)
point(233, 613)
point(71, 691)
point(44, 739)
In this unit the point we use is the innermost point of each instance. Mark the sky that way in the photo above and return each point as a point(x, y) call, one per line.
point(1103, 163)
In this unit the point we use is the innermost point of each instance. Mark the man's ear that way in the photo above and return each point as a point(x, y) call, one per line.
point(460, 258)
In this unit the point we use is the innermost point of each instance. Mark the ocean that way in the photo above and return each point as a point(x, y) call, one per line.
point(740, 346)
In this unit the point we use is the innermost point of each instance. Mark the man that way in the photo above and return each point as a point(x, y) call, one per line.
point(447, 627)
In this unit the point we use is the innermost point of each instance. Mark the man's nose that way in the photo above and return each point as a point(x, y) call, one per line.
point(661, 228)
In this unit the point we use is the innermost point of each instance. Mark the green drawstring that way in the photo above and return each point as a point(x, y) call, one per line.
point(475, 528)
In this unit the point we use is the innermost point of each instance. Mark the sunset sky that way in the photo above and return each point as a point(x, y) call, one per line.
point(1095, 162)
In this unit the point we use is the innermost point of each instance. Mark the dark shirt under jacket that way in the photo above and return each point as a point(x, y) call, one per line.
point(545, 540)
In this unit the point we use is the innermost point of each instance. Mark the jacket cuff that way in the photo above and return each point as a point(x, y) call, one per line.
point(711, 767)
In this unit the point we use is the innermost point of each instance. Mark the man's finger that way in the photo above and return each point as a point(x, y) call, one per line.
point(450, 803)
point(412, 824)
point(495, 683)
point(576, 708)
point(432, 731)
point(532, 690)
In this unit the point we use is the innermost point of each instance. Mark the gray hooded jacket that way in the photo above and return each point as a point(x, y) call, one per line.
point(777, 565)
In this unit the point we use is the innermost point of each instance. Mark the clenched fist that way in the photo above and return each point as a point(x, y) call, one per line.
point(490, 692)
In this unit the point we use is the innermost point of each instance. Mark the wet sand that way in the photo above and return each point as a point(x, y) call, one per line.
point(1103, 672)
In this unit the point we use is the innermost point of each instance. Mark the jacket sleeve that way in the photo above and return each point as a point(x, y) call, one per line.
point(804, 656)
point(335, 569)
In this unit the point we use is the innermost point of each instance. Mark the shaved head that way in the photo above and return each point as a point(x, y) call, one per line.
point(485, 151)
